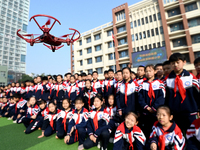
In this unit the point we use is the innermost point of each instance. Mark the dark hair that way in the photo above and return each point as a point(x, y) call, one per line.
point(83, 74)
point(133, 73)
point(51, 103)
point(197, 60)
point(99, 96)
point(79, 74)
point(54, 77)
point(105, 72)
point(119, 71)
point(166, 108)
point(78, 99)
point(76, 74)
point(67, 101)
point(94, 72)
point(150, 66)
point(88, 80)
point(44, 78)
point(176, 56)
point(89, 74)
point(166, 63)
point(67, 74)
point(132, 113)
point(111, 70)
point(141, 66)
point(16, 96)
point(42, 102)
point(127, 69)
point(157, 65)
point(32, 97)
point(60, 76)
point(72, 76)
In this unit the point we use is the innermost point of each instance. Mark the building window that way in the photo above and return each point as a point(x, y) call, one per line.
point(159, 17)
point(112, 67)
point(161, 30)
point(163, 43)
point(149, 46)
point(141, 48)
point(135, 24)
point(120, 15)
point(97, 48)
point(81, 63)
point(148, 33)
point(150, 18)
point(98, 59)
point(2, 73)
point(136, 36)
point(90, 71)
point(80, 42)
point(23, 58)
point(191, 7)
point(154, 45)
point(124, 66)
point(195, 38)
point(134, 49)
point(88, 40)
point(154, 17)
point(121, 29)
point(173, 12)
point(81, 71)
point(176, 27)
point(138, 22)
point(158, 44)
point(157, 33)
point(109, 33)
point(144, 34)
point(89, 50)
point(138, 49)
point(123, 54)
point(97, 37)
point(194, 22)
point(187, 58)
point(131, 24)
point(122, 41)
point(179, 42)
point(145, 47)
point(80, 52)
point(196, 54)
point(133, 37)
point(110, 44)
point(152, 32)
point(99, 70)
point(146, 18)
point(142, 21)
point(89, 61)
point(111, 56)
point(140, 34)
point(24, 27)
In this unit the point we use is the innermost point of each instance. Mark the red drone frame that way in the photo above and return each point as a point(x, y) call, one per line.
point(46, 37)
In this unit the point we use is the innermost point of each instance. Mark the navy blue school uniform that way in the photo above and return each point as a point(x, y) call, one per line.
point(108, 88)
point(49, 124)
point(59, 94)
point(28, 122)
point(20, 105)
point(126, 139)
point(72, 92)
point(126, 97)
point(140, 80)
point(8, 91)
point(97, 126)
point(11, 110)
point(97, 86)
point(150, 94)
point(29, 92)
point(22, 92)
point(16, 90)
point(193, 135)
point(40, 118)
point(45, 92)
point(117, 86)
point(79, 122)
point(88, 97)
point(4, 108)
point(22, 112)
point(81, 86)
point(172, 139)
point(37, 91)
point(182, 97)
point(62, 123)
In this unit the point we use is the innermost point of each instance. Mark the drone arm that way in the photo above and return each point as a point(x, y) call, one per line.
point(73, 40)
point(27, 40)
point(52, 25)
point(37, 23)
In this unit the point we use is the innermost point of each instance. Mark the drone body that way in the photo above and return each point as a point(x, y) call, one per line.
point(46, 37)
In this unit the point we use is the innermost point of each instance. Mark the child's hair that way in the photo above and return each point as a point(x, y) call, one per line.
point(16, 95)
point(105, 72)
point(141, 66)
point(66, 99)
point(79, 99)
point(94, 72)
point(166, 108)
point(166, 63)
point(42, 102)
point(66, 74)
point(127, 69)
point(111, 70)
point(88, 80)
point(32, 97)
point(133, 73)
point(132, 113)
point(83, 74)
point(99, 96)
point(176, 57)
point(44, 78)
point(60, 76)
point(89, 74)
point(76, 74)
point(51, 103)
point(197, 60)
point(72, 76)
point(119, 71)
point(149, 66)
point(158, 65)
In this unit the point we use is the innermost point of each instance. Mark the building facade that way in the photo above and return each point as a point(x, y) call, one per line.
point(146, 25)
point(13, 16)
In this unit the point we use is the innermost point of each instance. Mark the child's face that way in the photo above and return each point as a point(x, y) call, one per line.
point(149, 72)
point(50, 81)
point(9, 86)
point(106, 76)
point(87, 84)
point(159, 70)
point(115, 75)
point(52, 107)
point(32, 101)
point(65, 104)
point(89, 77)
point(163, 117)
point(126, 74)
point(17, 84)
point(12, 101)
point(5, 100)
point(140, 71)
point(119, 76)
point(167, 69)
point(110, 74)
point(111, 100)
point(35, 80)
point(13, 84)
point(42, 106)
point(79, 105)
point(72, 80)
point(133, 76)
point(45, 81)
point(59, 79)
point(31, 84)
point(95, 76)
point(84, 78)
point(38, 79)
point(16, 99)
point(178, 65)
point(197, 67)
point(76, 76)
point(68, 77)
point(130, 121)
point(97, 103)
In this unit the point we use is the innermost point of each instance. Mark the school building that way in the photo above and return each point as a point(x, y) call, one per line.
point(145, 32)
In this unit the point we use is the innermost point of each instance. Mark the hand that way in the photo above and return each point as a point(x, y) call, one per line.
point(6, 113)
point(41, 135)
point(153, 146)
point(92, 138)
point(21, 111)
point(18, 116)
point(120, 112)
point(198, 114)
point(66, 139)
point(40, 99)
point(49, 97)
point(72, 130)
point(33, 117)
point(55, 101)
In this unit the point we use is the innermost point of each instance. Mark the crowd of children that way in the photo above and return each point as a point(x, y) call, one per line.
point(157, 108)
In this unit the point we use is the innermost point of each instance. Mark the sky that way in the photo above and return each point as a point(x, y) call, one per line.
point(82, 15)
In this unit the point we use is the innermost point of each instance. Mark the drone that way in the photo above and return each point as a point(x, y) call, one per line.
point(48, 40)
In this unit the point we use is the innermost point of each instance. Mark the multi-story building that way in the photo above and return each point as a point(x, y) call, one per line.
point(144, 26)
point(13, 16)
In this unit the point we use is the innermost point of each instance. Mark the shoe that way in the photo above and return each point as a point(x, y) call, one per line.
point(99, 145)
point(80, 147)
point(111, 140)
point(9, 118)
point(103, 148)
point(15, 121)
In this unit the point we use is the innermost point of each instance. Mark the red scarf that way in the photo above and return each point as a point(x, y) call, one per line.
point(57, 91)
point(108, 85)
point(64, 121)
point(70, 91)
point(16, 105)
point(42, 89)
point(93, 84)
point(161, 141)
point(178, 82)
point(130, 141)
point(151, 92)
point(89, 101)
point(95, 121)
point(51, 122)
point(110, 111)
point(126, 88)
point(76, 132)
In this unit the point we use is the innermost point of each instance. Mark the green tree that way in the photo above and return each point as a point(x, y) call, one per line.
point(25, 77)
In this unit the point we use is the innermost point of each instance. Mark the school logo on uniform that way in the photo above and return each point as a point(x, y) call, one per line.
point(187, 83)
point(100, 116)
point(168, 137)
point(131, 89)
point(154, 86)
